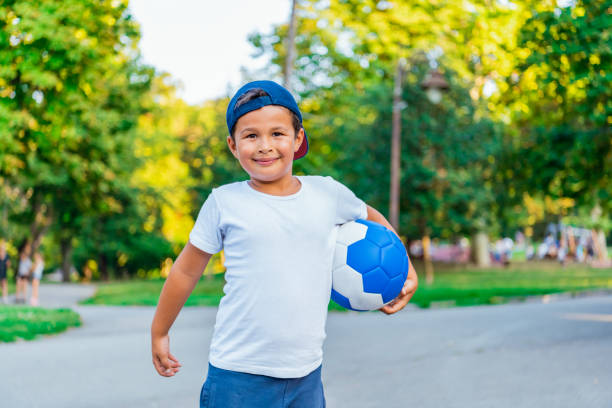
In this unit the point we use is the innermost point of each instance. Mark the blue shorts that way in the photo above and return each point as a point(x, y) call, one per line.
point(232, 389)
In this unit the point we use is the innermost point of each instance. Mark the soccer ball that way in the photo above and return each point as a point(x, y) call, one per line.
point(370, 266)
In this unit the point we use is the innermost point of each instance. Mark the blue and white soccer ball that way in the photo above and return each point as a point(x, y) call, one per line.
point(370, 266)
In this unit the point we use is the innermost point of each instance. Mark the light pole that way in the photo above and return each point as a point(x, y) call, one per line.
point(290, 58)
point(433, 84)
point(396, 132)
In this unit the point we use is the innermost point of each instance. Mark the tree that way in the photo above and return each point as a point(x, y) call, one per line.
point(561, 101)
point(72, 90)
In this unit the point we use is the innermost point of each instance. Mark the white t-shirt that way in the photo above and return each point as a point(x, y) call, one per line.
point(24, 267)
point(38, 271)
point(278, 254)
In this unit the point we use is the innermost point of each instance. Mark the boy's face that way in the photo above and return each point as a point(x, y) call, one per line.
point(265, 142)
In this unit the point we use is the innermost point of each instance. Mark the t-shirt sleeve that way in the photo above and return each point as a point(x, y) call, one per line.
point(348, 206)
point(206, 233)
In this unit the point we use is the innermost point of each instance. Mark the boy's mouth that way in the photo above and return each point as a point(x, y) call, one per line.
point(266, 161)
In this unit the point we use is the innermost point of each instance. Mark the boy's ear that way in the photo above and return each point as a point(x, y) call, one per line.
point(232, 146)
point(299, 139)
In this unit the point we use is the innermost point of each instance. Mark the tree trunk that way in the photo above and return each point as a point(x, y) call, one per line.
point(598, 236)
point(480, 249)
point(429, 269)
point(40, 224)
point(66, 250)
point(289, 60)
point(103, 266)
point(600, 245)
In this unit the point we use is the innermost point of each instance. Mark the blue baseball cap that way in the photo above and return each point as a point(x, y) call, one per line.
point(277, 95)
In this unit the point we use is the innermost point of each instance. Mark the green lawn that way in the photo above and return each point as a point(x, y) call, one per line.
point(23, 322)
point(453, 286)
point(208, 292)
point(456, 286)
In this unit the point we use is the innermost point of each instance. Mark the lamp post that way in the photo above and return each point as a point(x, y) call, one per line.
point(396, 132)
point(433, 84)
point(290, 58)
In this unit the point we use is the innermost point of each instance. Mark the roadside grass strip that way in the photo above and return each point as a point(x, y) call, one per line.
point(468, 287)
point(208, 292)
point(23, 322)
point(452, 286)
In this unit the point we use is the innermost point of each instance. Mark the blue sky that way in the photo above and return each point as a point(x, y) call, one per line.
point(203, 43)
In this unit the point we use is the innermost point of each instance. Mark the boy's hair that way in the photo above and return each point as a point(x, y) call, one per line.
point(257, 93)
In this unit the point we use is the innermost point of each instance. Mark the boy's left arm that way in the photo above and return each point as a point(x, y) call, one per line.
point(412, 282)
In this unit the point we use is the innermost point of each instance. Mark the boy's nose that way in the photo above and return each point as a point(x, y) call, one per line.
point(264, 145)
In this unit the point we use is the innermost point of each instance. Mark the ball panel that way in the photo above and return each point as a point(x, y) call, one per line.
point(392, 260)
point(341, 300)
point(378, 236)
point(393, 289)
point(405, 267)
point(363, 256)
point(371, 224)
point(367, 301)
point(375, 281)
point(351, 232)
point(347, 281)
point(340, 255)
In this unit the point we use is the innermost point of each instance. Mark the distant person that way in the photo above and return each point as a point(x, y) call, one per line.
point(23, 274)
point(37, 271)
point(580, 250)
point(529, 252)
point(562, 254)
point(276, 231)
point(5, 264)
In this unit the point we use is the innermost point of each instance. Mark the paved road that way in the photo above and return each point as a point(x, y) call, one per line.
point(522, 355)
point(60, 294)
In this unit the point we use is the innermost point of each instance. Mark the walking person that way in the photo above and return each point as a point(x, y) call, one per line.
point(5, 263)
point(37, 270)
point(23, 273)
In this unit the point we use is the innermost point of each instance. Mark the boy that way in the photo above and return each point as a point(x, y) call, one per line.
point(277, 232)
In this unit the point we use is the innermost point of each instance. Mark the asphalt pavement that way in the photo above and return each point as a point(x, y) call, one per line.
point(556, 354)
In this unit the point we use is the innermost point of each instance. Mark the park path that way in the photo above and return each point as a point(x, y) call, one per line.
point(55, 295)
point(520, 355)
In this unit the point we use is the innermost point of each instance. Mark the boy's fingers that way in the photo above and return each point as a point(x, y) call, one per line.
point(170, 365)
point(409, 287)
point(174, 359)
point(161, 370)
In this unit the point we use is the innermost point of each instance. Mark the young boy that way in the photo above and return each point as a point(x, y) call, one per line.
point(277, 233)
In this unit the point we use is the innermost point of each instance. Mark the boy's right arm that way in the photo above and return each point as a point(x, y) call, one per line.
point(183, 277)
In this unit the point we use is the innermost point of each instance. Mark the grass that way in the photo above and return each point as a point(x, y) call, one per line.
point(457, 286)
point(208, 292)
point(452, 286)
point(23, 322)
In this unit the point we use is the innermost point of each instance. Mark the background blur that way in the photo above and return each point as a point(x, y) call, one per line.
point(504, 110)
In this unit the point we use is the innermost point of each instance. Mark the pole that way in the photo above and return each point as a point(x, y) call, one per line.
point(289, 60)
point(394, 194)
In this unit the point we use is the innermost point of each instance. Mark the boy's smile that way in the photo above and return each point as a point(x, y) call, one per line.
point(264, 143)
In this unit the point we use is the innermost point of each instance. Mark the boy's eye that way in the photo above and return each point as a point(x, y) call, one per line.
point(277, 134)
point(251, 136)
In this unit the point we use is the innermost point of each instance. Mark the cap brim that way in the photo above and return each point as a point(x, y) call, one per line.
point(303, 149)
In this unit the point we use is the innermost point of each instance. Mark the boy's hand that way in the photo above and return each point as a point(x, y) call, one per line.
point(165, 363)
point(410, 286)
